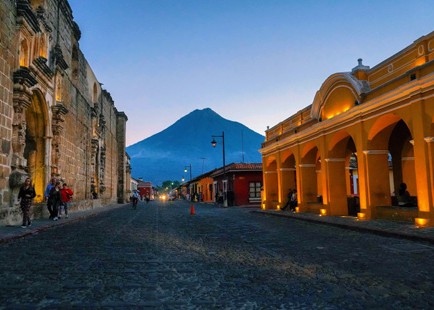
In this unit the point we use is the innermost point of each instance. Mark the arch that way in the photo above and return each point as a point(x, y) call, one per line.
point(343, 80)
point(289, 175)
point(381, 131)
point(342, 174)
point(309, 153)
point(391, 135)
point(402, 157)
point(338, 100)
point(35, 148)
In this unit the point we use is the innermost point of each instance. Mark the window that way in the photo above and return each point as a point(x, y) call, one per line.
point(255, 190)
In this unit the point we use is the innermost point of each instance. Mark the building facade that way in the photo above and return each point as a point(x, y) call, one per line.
point(55, 118)
point(239, 184)
point(366, 132)
point(145, 189)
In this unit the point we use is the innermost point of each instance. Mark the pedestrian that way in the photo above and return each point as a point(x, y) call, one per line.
point(55, 200)
point(288, 202)
point(49, 187)
point(66, 196)
point(293, 203)
point(26, 195)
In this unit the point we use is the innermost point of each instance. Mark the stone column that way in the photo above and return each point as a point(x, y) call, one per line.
point(22, 99)
point(377, 176)
point(59, 112)
point(271, 194)
point(308, 185)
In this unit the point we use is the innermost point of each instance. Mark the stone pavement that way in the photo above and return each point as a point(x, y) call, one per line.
point(381, 227)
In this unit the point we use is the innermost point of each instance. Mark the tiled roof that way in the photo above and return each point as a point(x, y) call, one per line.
point(239, 167)
point(144, 184)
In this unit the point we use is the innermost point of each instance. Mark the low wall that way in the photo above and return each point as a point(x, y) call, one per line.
point(394, 213)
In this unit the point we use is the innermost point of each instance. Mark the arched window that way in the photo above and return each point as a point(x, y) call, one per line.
point(24, 53)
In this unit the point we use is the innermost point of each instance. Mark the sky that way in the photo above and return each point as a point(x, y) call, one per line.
point(254, 62)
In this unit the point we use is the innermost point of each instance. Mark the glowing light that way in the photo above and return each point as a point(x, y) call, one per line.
point(361, 216)
point(421, 222)
point(323, 212)
point(263, 206)
point(297, 209)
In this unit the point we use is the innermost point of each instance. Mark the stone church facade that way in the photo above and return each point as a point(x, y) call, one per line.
point(55, 117)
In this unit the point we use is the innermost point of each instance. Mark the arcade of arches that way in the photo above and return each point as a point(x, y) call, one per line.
point(367, 132)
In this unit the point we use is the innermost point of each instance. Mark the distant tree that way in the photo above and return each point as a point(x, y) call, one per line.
point(168, 185)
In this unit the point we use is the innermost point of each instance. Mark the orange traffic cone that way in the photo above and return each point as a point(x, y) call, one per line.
point(192, 212)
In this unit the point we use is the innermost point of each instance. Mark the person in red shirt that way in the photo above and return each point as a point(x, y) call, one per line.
point(66, 195)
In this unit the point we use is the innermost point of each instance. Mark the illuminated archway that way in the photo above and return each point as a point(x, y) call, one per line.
point(342, 175)
point(34, 151)
point(288, 176)
point(391, 157)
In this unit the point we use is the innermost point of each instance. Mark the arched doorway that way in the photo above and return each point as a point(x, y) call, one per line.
point(342, 178)
point(35, 148)
point(288, 177)
point(390, 160)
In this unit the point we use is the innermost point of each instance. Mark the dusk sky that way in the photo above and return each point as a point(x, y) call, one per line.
point(254, 62)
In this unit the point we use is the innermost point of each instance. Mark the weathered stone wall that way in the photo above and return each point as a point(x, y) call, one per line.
point(55, 118)
point(7, 61)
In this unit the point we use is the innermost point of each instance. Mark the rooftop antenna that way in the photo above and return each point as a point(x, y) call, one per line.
point(203, 160)
point(242, 146)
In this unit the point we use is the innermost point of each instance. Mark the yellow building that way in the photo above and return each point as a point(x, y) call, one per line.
point(366, 132)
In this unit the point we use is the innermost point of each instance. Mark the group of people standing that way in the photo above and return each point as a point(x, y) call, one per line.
point(57, 195)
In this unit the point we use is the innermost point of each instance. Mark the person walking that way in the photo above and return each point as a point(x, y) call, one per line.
point(49, 187)
point(293, 204)
point(26, 195)
point(288, 202)
point(66, 195)
point(55, 200)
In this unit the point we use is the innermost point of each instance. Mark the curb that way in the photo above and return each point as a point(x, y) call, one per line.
point(376, 231)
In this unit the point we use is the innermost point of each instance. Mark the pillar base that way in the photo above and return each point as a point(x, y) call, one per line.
point(423, 222)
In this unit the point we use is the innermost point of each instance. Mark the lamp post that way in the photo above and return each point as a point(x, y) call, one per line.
point(214, 143)
point(188, 188)
point(189, 168)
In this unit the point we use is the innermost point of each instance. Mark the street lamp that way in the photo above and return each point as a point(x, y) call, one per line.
point(214, 143)
point(189, 167)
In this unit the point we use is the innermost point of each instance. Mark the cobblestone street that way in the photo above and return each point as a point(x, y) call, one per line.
point(161, 257)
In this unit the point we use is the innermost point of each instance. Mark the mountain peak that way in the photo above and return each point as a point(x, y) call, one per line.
point(164, 155)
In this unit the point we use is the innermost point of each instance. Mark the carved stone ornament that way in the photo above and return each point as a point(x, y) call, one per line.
point(22, 99)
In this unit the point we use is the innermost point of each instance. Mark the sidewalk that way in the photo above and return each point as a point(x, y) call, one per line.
point(381, 227)
point(9, 233)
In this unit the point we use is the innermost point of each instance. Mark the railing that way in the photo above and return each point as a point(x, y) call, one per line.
point(290, 124)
